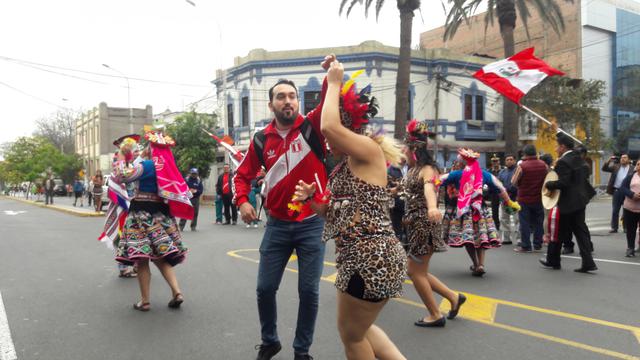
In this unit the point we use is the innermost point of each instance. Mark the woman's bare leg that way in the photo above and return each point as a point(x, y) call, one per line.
point(418, 272)
point(144, 280)
point(169, 275)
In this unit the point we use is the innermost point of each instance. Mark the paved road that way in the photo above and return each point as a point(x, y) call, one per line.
point(63, 300)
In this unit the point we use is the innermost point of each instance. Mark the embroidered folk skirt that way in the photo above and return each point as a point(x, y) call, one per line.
point(464, 230)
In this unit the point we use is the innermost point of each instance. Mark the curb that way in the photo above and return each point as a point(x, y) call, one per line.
point(54, 207)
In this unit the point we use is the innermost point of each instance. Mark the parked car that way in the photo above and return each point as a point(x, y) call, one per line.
point(59, 188)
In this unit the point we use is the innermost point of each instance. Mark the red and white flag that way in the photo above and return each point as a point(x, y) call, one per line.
point(236, 156)
point(515, 76)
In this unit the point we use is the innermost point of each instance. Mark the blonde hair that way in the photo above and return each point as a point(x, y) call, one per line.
point(390, 147)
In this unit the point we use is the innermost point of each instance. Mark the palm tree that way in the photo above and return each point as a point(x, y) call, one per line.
point(406, 8)
point(507, 12)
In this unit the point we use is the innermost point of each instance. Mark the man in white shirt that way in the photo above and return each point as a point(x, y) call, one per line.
point(619, 169)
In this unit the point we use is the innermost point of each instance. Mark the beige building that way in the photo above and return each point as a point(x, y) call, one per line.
point(98, 128)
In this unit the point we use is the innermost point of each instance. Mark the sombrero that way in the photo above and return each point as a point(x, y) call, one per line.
point(119, 141)
point(550, 197)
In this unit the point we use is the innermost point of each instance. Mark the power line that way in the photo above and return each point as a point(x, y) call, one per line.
point(23, 62)
point(33, 96)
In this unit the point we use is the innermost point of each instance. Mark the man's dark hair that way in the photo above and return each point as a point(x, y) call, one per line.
point(509, 156)
point(581, 149)
point(547, 158)
point(529, 150)
point(280, 82)
point(565, 140)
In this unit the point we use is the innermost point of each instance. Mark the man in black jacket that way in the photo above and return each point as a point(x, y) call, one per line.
point(619, 169)
point(224, 189)
point(195, 187)
point(576, 192)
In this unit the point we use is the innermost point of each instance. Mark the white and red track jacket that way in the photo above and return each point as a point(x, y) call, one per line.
point(287, 161)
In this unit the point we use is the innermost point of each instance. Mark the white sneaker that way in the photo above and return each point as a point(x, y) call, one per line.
point(248, 226)
point(255, 226)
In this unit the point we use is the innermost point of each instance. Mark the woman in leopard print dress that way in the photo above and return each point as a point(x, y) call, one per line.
point(424, 231)
point(370, 260)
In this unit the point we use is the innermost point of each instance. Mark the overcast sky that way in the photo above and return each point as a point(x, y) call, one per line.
point(171, 42)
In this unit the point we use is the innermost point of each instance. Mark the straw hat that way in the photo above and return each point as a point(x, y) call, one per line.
point(550, 197)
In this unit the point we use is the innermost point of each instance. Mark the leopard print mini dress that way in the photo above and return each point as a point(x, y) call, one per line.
point(366, 246)
point(423, 235)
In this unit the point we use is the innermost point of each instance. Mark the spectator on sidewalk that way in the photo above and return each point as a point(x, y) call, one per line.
point(508, 218)
point(89, 190)
point(78, 191)
point(98, 181)
point(630, 188)
point(224, 189)
point(619, 168)
point(219, 207)
point(195, 187)
point(529, 178)
point(49, 185)
point(494, 198)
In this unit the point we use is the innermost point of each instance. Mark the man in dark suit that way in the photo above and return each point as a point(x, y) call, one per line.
point(575, 194)
point(224, 189)
point(619, 169)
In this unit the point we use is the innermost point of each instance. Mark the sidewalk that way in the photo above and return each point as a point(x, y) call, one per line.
point(60, 203)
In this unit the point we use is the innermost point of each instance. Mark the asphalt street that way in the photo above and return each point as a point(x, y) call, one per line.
point(63, 299)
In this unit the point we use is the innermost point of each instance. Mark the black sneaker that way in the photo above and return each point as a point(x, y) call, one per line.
point(266, 352)
point(297, 356)
point(566, 251)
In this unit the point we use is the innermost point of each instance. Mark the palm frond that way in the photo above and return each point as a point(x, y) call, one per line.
point(353, 3)
point(524, 14)
point(460, 11)
point(342, 4)
point(367, 3)
point(490, 16)
point(379, 4)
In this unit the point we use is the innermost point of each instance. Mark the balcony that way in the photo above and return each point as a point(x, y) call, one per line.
point(477, 130)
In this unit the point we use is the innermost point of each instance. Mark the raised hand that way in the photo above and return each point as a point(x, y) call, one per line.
point(335, 73)
point(327, 61)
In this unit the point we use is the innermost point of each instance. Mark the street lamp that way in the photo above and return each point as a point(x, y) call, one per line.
point(128, 95)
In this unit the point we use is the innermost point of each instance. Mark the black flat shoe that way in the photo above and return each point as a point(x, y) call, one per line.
point(546, 265)
point(436, 323)
point(176, 301)
point(454, 312)
point(142, 306)
point(585, 270)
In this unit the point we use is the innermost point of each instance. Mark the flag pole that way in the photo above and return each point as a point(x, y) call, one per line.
point(549, 123)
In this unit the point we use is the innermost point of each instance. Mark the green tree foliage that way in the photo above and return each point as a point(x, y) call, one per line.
point(573, 104)
point(29, 158)
point(194, 148)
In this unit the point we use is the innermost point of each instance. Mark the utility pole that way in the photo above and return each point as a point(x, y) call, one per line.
point(436, 104)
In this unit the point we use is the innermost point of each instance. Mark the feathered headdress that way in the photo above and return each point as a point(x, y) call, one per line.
point(356, 109)
point(417, 133)
point(467, 153)
point(159, 139)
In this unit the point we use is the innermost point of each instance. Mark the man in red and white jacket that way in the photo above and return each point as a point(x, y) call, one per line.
point(291, 148)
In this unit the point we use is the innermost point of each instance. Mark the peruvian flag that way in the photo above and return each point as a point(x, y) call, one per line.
point(226, 142)
point(515, 76)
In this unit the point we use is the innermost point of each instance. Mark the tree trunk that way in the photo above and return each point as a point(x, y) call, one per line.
point(507, 19)
point(404, 72)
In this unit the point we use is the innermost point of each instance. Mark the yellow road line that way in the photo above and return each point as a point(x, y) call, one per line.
point(483, 309)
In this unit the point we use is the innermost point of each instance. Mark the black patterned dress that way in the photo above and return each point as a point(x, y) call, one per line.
point(366, 246)
point(424, 236)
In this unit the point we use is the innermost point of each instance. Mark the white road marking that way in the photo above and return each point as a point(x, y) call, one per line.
point(7, 350)
point(604, 260)
point(14, 213)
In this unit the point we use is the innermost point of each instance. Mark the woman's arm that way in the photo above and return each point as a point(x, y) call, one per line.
point(358, 147)
point(428, 177)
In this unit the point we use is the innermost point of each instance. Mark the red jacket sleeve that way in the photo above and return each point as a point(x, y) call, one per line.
point(244, 174)
point(314, 115)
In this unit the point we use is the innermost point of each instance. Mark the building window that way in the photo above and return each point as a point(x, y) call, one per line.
point(230, 119)
point(245, 111)
point(473, 107)
point(311, 100)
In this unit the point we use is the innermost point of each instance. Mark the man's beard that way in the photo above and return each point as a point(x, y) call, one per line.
point(284, 119)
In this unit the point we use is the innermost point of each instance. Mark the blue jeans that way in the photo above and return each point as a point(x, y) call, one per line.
point(531, 217)
point(279, 241)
